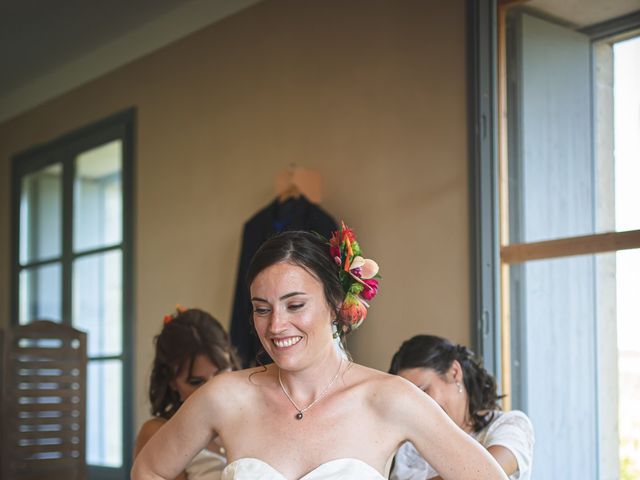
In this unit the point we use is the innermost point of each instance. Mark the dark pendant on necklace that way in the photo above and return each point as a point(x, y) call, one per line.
point(299, 416)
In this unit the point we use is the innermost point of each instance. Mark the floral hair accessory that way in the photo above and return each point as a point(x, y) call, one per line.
point(178, 311)
point(358, 276)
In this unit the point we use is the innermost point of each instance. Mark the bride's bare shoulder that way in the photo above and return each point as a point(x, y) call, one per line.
point(390, 397)
point(370, 378)
point(238, 382)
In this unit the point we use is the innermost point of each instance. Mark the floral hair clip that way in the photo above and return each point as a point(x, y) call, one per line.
point(358, 276)
point(179, 310)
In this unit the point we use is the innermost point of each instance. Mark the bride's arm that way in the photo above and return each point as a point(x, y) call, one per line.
point(171, 449)
point(447, 448)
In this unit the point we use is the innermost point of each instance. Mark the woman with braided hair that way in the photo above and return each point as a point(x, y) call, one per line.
point(456, 380)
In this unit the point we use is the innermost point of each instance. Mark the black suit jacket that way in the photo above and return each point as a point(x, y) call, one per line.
point(294, 214)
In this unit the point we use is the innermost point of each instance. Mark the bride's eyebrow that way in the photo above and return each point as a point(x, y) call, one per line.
point(284, 297)
point(292, 294)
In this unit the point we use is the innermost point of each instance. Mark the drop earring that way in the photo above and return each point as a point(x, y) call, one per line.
point(459, 387)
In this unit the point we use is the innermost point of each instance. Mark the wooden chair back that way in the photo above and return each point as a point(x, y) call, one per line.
point(43, 387)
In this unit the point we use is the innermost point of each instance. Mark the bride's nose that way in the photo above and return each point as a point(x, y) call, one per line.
point(277, 322)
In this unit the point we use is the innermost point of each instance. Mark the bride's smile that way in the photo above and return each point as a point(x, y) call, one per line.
point(286, 342)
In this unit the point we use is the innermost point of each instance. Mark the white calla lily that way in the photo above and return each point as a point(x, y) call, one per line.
point(357, 262)
point(369, 269)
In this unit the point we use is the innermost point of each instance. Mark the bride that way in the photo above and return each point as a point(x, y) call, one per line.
point(312, 414)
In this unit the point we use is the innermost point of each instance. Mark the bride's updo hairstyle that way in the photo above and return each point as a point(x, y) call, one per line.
point(306, 250)
point(437, 353)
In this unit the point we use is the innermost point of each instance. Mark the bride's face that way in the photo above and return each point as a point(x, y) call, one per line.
point(291, 315)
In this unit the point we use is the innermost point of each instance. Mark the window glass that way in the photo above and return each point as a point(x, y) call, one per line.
point(104, 413)
point(98, 197)
point(41, 293)
point(628, 360)
point(97, 301)
point(627, 133)
point(40, 215)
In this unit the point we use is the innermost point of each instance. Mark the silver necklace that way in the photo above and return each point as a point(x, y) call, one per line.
point(301, 411)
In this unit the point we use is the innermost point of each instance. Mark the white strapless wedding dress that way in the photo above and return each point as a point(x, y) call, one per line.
point(206, 465)
point(341, 468)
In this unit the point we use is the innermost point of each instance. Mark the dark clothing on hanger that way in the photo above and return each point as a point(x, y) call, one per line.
point(294, 214)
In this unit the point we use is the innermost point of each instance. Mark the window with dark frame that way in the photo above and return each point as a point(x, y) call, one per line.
point(72, 263)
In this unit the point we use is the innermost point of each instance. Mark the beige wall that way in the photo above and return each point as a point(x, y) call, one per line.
point(370, 93)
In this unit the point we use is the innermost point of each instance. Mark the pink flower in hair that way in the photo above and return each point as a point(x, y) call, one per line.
point(370, 289)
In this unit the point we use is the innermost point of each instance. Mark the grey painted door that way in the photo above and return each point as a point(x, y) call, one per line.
point(552, 196)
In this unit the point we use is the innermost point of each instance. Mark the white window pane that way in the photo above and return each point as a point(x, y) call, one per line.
point(41, 294)
point(98, 197)
point(628, 306)
point(627, 132)
point(97, 301)
point(104, 413)
point(40, 214)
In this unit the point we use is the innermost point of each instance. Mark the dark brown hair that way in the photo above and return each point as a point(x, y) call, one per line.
point(437, 353)
point(189, 334)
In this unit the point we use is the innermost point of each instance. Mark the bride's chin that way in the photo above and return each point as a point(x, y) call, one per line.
point(287, 360)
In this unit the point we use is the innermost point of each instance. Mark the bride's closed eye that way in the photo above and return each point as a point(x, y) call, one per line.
point(261, 310)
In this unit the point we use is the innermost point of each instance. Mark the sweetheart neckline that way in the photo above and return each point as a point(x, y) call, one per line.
point(335, 460)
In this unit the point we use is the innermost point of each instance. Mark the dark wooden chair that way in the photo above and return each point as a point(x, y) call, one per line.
point(43, 387)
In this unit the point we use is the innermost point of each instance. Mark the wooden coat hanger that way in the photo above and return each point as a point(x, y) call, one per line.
point(295, 181)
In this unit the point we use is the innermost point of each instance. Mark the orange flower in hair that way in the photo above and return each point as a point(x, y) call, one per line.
point(179, 310)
